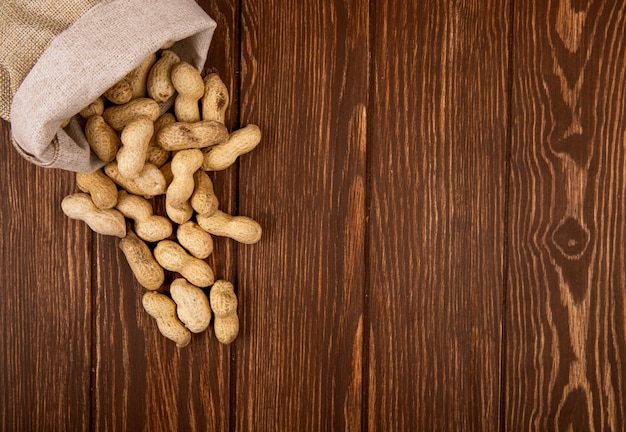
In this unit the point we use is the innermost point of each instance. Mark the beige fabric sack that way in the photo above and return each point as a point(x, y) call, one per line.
point(57, 56)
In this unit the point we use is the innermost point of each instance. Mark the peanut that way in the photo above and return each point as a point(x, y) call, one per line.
point(215, 99)
point(135, 141)
point(163, 310)
point(239, 228)
point(185, 135)
point(188, 83)
point(118, 116)
point(65, 123)
point(79, 206)
point(147, 271)
point(94, 108)
point(149, 183)
point(149, 227)
point(193, 307)
point(156, 154)
point(159, 84)
point(166, 170)
point(120, 92)
point(168, 45)
point(224, 305)
point(101, 138)
point(180, 214)
point(242, 141)
point(197, 241)
point(184, 164)
point(138, 77)
point(173, 257)
point(203, 200)
point(101, 188)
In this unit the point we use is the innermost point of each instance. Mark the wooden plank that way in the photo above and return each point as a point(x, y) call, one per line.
point(566, 343)
point(437, 156)
point(304, 82)
point(45, 312)
point(142, 381)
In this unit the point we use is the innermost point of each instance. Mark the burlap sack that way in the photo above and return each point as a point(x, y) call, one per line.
point(56, 56)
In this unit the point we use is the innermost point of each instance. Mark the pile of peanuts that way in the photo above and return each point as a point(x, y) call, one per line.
point(149, 154)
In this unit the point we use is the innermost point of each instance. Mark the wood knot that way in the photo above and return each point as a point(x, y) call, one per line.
point(571, 238)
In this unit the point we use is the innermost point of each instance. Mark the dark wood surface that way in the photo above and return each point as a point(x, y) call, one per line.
point(565, 350)
point(443, 194)
point(437, 165)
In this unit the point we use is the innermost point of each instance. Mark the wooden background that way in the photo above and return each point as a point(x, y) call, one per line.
point(443, 194)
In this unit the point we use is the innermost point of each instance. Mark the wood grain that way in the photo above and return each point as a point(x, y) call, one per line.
point(437, 156)
point(442, 188)
point(566, 344)
point(304, 82)
point(224, 58)
point(45, 309)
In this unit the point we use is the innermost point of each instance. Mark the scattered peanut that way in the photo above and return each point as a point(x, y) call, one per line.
point(173, 257)
point(179, 214)
point(188, 83)
point(157, 155)
point(149, 227)
point(215, 99)
point(101, 188)
point(166, 170)
point(163, 309)
point(184, 164)
point(149, 183)
point(184, 135)
point(79, 206)
point(242, 141)
point(197, 241)
point(147, 271)
point(203, 200)
point(193, 307)
point(224, 305)
point(135, 141)
point(101, 138)
point(239, 228)
point(118, 116)
point(159, 85)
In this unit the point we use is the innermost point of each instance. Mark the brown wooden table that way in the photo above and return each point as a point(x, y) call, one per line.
point(442, 186)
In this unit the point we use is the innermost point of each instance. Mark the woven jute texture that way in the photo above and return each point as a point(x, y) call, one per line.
point(79, 63)
point(27, 27)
